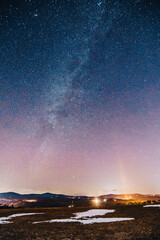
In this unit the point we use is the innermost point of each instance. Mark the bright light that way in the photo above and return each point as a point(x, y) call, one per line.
point(105, 200)
point(96, 201)
point(30, 200)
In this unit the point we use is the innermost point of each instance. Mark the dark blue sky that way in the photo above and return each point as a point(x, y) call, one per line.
point(74, 75)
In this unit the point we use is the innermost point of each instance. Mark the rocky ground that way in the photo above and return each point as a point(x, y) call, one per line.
point(145, 226)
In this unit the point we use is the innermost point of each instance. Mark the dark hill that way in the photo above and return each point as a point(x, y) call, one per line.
point(13, 195)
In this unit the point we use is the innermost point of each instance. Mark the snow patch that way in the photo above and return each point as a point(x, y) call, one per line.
point(155, 205)
point(93, 212)
point(3, 220)
point(87, 217)
point(87, 221)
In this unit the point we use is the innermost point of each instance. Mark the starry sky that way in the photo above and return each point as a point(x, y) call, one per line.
point(80, 96)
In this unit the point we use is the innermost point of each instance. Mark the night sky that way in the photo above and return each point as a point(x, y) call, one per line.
point(80, 96)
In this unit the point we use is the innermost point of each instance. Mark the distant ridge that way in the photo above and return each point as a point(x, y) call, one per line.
point(14, 195)
point(13, 199)
point(132, 196)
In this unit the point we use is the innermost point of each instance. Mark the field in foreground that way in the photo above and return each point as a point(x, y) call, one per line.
point(145, 226)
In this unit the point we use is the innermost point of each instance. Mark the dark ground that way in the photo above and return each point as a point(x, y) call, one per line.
point(145, 226)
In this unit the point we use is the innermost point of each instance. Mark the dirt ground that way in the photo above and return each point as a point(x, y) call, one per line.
point(145, 226)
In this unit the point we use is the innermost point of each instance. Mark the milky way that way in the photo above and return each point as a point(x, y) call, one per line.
point(80, 99)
